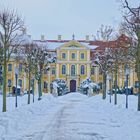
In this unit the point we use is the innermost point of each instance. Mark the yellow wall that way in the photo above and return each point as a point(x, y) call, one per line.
point(68, 61)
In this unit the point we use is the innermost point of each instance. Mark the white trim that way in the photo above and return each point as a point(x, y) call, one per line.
point(74, 62)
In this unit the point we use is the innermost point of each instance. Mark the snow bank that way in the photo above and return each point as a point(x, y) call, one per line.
point(71, 117)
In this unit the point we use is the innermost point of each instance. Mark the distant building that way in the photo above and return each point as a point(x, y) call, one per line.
point(73, 64)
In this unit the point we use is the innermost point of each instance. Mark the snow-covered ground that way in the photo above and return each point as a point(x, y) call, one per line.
point(70, 117)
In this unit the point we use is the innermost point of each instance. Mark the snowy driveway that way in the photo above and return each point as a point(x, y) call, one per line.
point(70, 117)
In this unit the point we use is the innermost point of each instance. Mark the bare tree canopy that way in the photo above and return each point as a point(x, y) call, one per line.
point(10, 26)
point(105, 33)
point(131, 17)
point(131, 25)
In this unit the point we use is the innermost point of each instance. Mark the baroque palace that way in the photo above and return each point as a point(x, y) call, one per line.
point(73, 64)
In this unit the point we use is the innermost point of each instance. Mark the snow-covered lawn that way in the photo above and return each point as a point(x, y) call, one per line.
point(70, 117)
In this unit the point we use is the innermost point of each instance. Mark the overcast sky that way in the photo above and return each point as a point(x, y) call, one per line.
point(65, 17)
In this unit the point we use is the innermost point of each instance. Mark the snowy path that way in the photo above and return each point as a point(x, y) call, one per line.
point(60, 126)
point(71, 117)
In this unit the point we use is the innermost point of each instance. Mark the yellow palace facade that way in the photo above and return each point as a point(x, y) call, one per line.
point(73, 64)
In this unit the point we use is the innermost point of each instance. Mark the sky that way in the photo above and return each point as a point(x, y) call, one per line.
point(66, 17)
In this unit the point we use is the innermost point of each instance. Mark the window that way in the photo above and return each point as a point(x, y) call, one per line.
point(63, 69)
point(9, 83)
point(82, 69)
point(53, 71)
point(63, 55)
point(73, 70)
point(45, 84)
point(20, 82)
point(82, 56)
point(9, 67)
point(73, 55)
point(20, 67)
point(92, 71)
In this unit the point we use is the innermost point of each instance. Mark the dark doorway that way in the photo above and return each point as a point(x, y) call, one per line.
point(72, 86)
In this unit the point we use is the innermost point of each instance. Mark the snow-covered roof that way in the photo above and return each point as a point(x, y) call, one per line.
point(89, 46)
point(48, 45)
point(54, 45)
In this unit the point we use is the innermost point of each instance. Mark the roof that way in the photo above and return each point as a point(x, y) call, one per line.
point(53, 44)
point(91, 44)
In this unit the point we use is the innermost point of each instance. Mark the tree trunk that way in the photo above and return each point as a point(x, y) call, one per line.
point(139, 96)
point(39, 88)
point(138, 67)
point(104, 85)
point(29, 87)
point(4, 83)
point(115, 80)
point(138, 75)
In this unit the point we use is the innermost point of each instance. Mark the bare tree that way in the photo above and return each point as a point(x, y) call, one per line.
point(131, 25)
point(118, 55)
point(42, 61)
point(28, 64)
point(105, 34)
point(10, 25)
point(36, 60)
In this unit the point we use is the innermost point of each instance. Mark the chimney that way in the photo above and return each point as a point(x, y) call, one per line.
point(87, 37)
point(42, 37)
point(59, 37)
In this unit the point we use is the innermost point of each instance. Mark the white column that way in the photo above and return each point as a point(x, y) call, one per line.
point(68, 69)
point(78, 70)
point(78, 55)
point(68, 55)
point(88, 55)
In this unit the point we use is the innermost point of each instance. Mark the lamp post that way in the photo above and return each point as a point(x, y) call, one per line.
point(16, 76)
point(39, 86)
point(126, 84)
point(33, 88)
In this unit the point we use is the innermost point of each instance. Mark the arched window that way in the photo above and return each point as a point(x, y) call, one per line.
point(73, 70)
point(82, 69)
point(63, 69)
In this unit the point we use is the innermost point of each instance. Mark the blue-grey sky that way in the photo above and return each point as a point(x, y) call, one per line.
point(65, 17)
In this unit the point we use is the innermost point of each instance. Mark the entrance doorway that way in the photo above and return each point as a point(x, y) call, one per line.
point(72, 85)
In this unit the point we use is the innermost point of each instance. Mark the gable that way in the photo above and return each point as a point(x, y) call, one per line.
point(73, 44)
